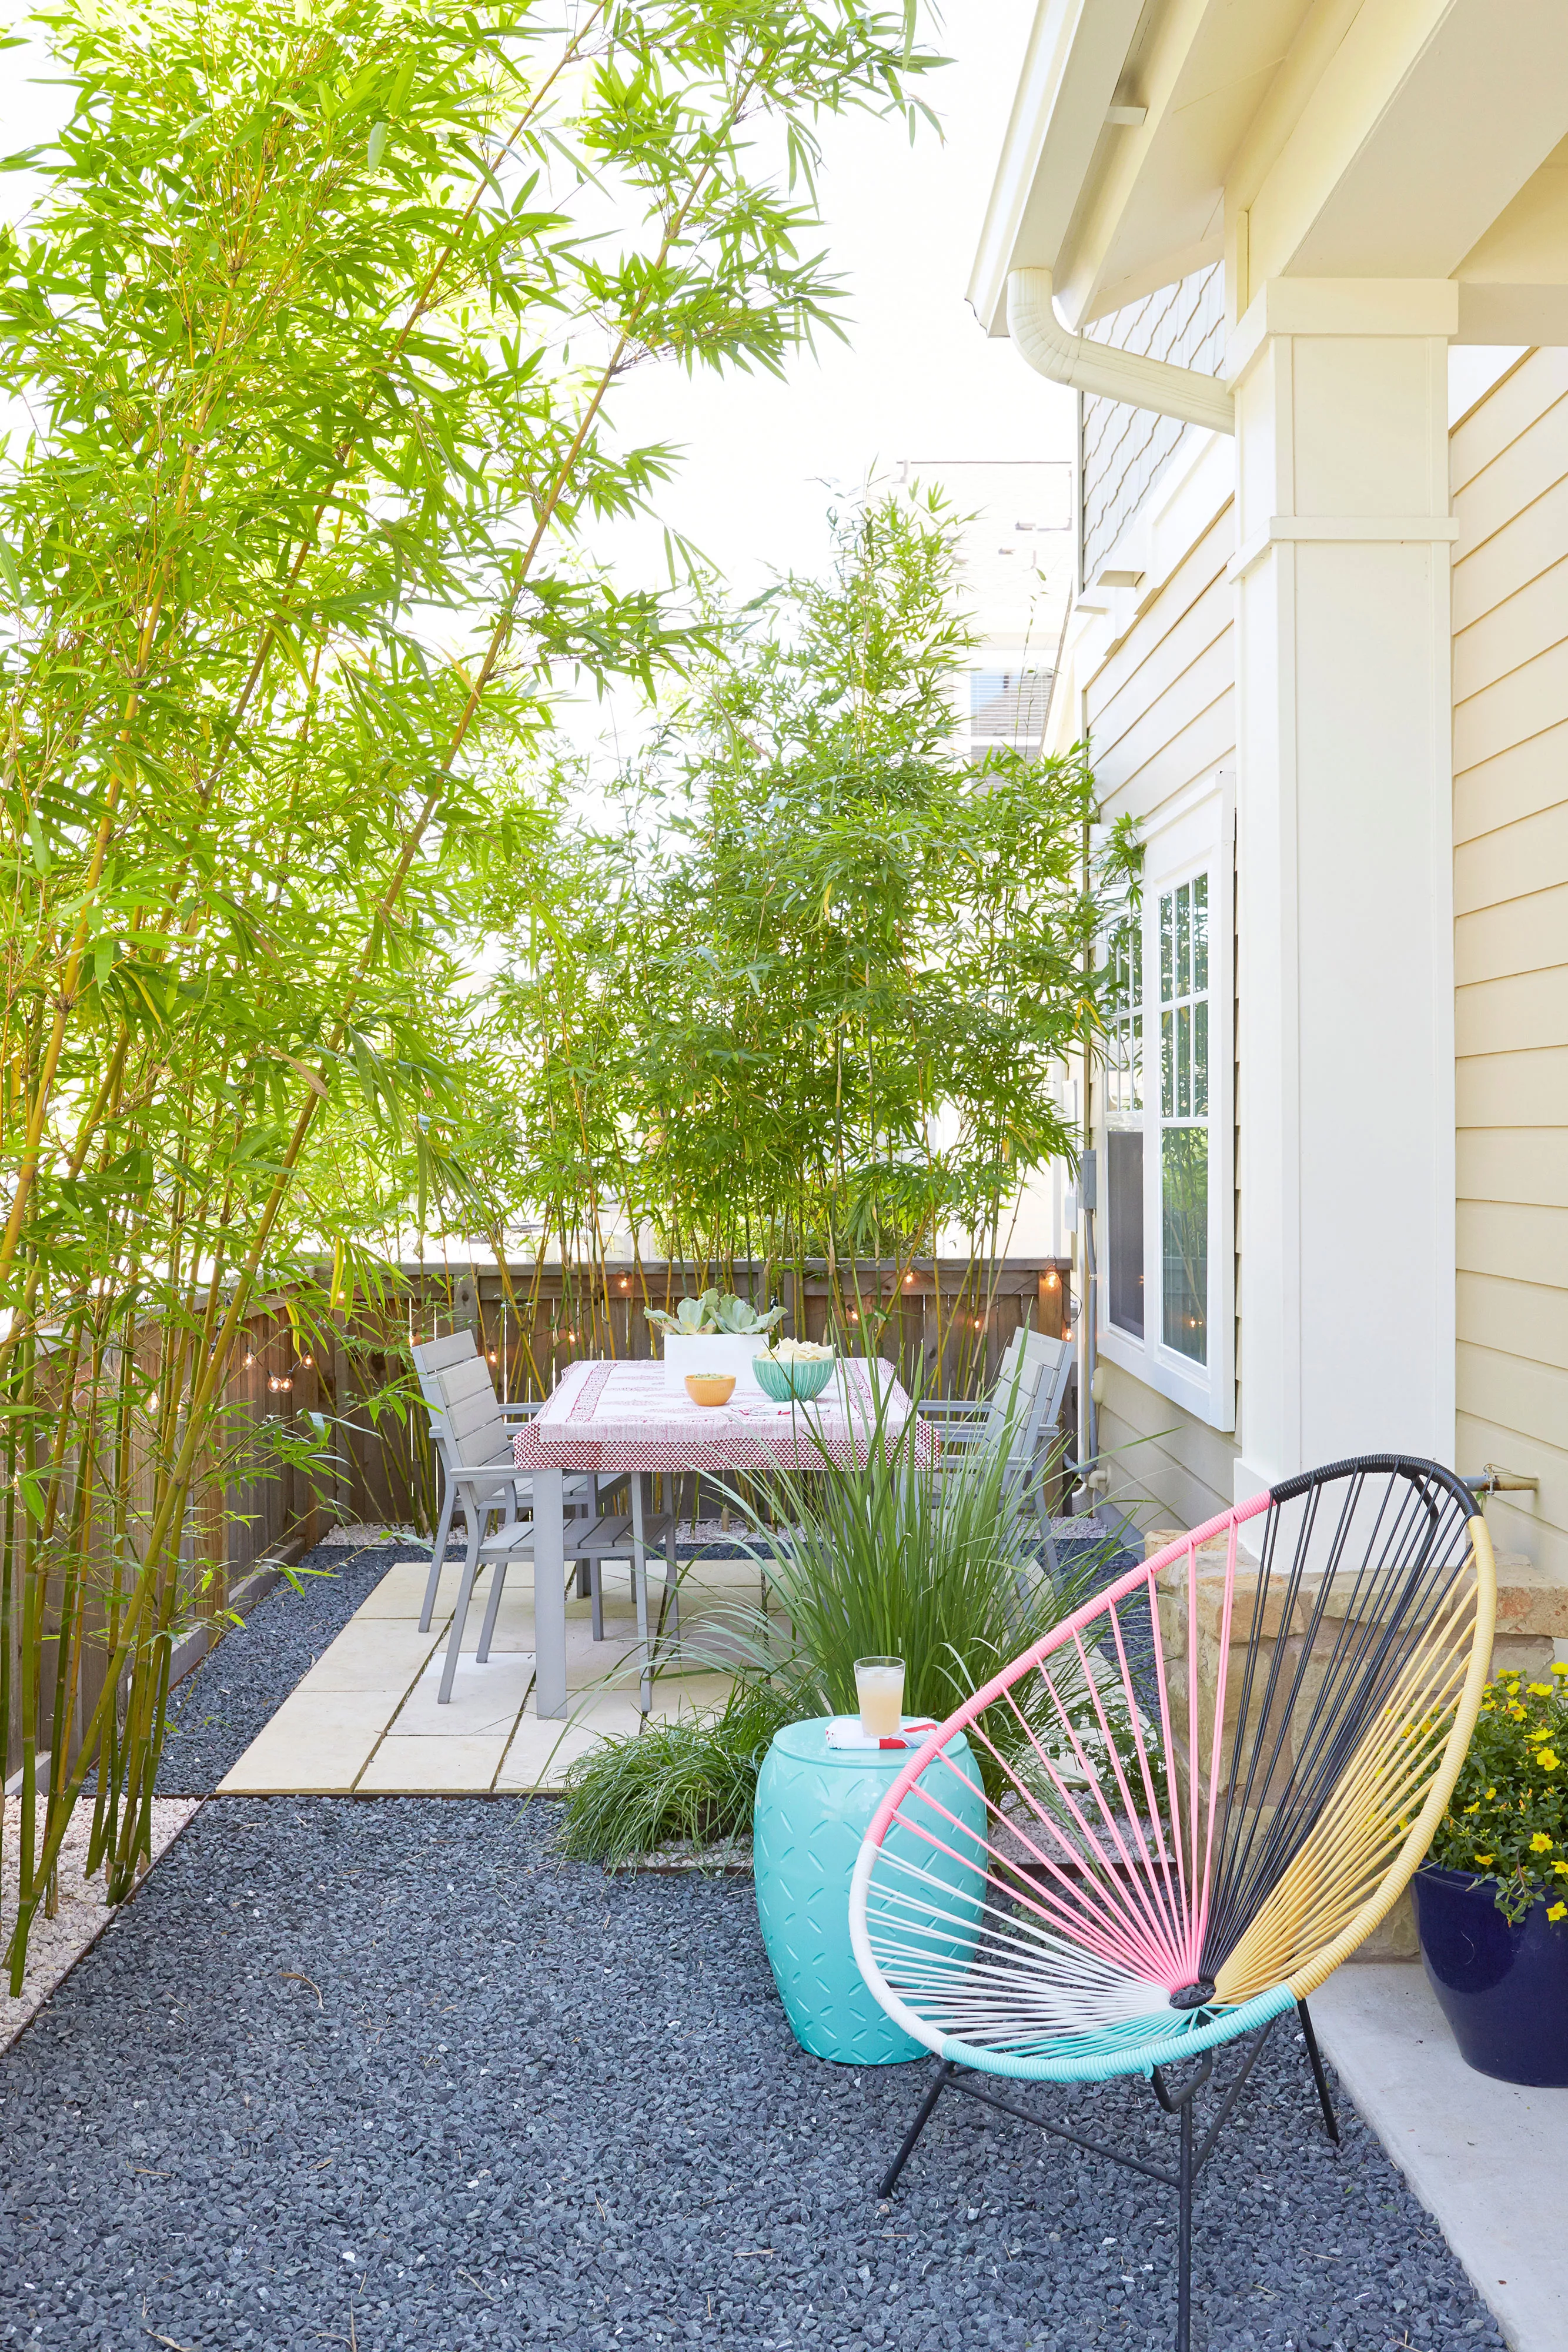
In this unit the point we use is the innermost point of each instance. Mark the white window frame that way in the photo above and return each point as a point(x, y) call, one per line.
point(1191, 834)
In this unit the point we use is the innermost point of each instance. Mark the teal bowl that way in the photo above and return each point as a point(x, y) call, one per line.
point(792, 1381)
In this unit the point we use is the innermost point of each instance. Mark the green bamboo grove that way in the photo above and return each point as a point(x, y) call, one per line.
point(315, 333)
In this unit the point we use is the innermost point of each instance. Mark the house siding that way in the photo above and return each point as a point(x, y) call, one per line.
point(1509, 477)
point(1160, 712)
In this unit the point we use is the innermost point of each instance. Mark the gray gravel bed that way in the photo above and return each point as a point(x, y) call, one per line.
point(392, 2074)
point(217, 1710)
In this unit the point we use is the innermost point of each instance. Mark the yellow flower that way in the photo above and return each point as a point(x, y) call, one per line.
point(1539, 1842)
point(1540, 1690)
point(1557, 1910)
point(1547, 1760)
point(1483, 1857)
point(1475, 1808)
point(1516, 1711)
point(1559, 1668)
point(1560, 1868)
point(1491, 1792)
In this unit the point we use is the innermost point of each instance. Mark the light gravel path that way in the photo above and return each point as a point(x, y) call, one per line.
point(392, 2074)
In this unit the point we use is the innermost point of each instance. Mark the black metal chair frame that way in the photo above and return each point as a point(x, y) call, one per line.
point(1190, 2162)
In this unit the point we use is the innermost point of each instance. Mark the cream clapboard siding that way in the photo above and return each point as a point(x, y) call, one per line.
point(1159, 712)
point(1509, 472)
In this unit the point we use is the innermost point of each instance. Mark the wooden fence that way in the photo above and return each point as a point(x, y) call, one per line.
point(945, 1322)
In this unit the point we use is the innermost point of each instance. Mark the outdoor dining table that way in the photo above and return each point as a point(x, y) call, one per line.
point(621, 1418)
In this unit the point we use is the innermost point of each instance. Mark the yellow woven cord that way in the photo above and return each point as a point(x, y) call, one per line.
point(1357, 1861)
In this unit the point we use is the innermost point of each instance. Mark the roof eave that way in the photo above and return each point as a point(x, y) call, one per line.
point(1076, 55)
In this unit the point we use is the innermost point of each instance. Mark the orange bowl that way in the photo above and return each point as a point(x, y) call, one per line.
point(710, 1388)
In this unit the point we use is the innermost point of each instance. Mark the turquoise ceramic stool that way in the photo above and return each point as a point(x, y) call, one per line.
point(814, 1805)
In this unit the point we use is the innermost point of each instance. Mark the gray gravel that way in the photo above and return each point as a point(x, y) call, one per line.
point(390, 2075)
point(217, 1710)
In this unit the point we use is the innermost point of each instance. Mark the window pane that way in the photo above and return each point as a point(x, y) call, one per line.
point(1201, 1060)
point(1124, 1170)
point(1168, 1075)
point(1182, 944)
point(1201, 935)
point(1165, 923)
point(1183, 1062)
point(1183, 1240)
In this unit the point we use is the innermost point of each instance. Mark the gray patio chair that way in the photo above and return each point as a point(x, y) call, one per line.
point(496, 1498)
point(1020, 1415)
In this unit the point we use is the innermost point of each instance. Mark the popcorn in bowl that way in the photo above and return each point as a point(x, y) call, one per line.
point(798, 1351)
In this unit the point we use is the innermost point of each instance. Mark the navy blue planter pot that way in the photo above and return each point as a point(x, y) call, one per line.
point(1502, 1986)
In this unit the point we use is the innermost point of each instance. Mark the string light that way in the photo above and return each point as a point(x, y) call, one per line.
point(248, 1363)
point(309, 1362)
point(1054, 1280)
point(494, 1357)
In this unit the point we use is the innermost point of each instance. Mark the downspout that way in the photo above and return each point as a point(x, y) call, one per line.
point(1194, 399)
point(1087, 366)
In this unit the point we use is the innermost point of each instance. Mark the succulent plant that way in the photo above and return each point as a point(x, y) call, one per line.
point(711, 1312)
point(738, 1317)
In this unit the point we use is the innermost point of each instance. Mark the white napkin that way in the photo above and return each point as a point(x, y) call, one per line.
point(845, 1731)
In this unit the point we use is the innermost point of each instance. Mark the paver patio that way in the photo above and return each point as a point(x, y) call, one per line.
point(365, 1719)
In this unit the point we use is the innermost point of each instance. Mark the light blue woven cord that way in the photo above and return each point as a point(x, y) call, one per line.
point(1126, 2049)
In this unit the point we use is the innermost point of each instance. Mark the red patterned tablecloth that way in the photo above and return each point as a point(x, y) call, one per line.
point(609, 1417)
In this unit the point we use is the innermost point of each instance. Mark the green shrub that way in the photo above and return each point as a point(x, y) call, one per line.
point(694, 1779)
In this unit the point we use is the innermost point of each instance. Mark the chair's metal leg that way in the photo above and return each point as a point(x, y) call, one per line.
point(438, 1555)
point(640, 1594)
point(673, 1583)
point(460, 1614)
point(1331, 2121)
point(1184, 2236)
point(487, 1630)
point(890, 2178)
point(596, 1593)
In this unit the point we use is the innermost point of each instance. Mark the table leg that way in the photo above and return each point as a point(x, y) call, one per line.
point(550, 1594)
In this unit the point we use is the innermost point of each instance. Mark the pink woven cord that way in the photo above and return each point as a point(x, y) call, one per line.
point(1106, 1934)
point(1172, 1898)
point(988, 1693)
point(1056, 1915)
point(1201, 1924)
point(1164, 1955)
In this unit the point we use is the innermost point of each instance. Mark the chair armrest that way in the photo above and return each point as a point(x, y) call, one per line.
point(952, 1408)
point(494, 1474)
point(515, 1412)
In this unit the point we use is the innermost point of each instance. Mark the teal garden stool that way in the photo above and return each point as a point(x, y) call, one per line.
point(814, 1805)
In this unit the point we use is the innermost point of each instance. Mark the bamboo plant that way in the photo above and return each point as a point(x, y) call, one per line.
point(320, 320)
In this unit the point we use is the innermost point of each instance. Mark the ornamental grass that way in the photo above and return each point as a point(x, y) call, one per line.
point(1508, 1818)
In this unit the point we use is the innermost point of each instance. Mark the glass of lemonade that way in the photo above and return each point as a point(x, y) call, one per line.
point(878, 1686)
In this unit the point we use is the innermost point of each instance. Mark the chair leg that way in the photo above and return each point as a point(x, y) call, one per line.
point(487, 1630)
point(889, 2181)
point(596, 1592)
point(639, 1596)
point(437, 1556)
point(1184, 2236)
point(1331, 2121)
point(460, 1614)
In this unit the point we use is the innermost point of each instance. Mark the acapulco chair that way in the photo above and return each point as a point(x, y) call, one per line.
point(1204, 1788)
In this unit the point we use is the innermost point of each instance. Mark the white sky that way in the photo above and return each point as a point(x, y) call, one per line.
point(918, 377)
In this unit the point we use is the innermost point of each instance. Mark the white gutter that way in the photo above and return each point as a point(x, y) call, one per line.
point(1087, 366)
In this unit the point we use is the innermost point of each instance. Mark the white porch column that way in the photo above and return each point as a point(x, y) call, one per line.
point(1344, 872)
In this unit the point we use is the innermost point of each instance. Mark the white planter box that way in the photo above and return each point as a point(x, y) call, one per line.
point(712, 1351)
